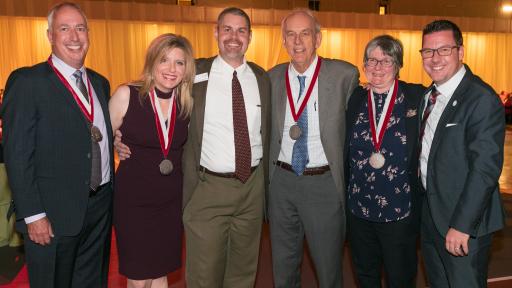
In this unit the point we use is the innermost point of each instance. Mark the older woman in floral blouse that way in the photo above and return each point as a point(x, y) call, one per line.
point(382, 169)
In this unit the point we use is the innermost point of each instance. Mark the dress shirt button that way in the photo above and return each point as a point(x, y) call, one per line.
point(88, 155)
point(279, 141)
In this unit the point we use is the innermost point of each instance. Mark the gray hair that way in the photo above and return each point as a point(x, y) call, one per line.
point(56, 8)
point(306, 12)
point(390, 46)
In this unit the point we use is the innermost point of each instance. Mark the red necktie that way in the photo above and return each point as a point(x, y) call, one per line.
point(430, 105)
point(241, 133)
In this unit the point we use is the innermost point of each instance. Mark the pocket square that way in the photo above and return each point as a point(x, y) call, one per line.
point(411, 113)
point(451, 124)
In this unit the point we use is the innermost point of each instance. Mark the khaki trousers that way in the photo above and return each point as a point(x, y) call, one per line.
point(223, 222)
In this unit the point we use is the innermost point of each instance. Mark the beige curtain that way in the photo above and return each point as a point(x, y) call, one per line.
point(118, 47)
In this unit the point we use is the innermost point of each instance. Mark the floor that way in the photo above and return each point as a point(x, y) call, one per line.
point(500, 267)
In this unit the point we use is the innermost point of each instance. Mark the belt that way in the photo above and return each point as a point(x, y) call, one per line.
point(93, 193)
point(223, 175)
point(308, 171)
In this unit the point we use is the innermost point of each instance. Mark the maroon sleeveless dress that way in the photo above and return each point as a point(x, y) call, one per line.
point(147, 205)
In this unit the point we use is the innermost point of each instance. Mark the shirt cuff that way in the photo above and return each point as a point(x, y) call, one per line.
point(34, 218)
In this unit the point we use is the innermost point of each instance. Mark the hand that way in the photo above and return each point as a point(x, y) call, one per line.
point(457, 242)
point(40, 231)
point(122, 150)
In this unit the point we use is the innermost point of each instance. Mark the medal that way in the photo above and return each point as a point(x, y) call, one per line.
point(96, 135)
point(295, 132)
point(377, 160)
point(165, 139)
point(378, 130)
point(166, 167)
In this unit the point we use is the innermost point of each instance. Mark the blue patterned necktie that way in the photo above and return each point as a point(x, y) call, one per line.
point(300, 149)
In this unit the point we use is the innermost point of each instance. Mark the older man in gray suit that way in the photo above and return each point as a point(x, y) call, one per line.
point(307, 190)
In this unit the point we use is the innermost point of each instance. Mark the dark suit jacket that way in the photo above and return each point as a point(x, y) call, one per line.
point(465, 161)
point(412, 95)
point(336, 81)
point(192, 149)
point(47, 147)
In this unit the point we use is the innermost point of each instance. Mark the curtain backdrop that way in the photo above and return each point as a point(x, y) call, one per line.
point(118, 47)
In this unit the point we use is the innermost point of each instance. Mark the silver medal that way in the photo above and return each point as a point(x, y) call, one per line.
point(295, 132)
point(96, 135)
point(377, 160)
point(166, 167)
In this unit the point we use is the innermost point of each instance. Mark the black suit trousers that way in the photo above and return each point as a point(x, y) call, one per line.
point(75, 261)
point(446, 270)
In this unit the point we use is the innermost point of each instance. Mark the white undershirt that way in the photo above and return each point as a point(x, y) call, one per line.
point(316, 152)
point(218, 147)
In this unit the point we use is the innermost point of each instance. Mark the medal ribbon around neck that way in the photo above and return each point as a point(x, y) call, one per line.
point(296, 114)
point(88, 115)
point(170, 131)
point(377, 141)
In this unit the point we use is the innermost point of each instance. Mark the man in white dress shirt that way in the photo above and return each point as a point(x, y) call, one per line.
point(58, 156)
point(462, 135)
point(307, 190)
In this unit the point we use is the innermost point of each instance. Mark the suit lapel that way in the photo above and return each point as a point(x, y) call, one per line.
point(263, 99)
point(281, 101)
point(324, 92)
point(199, 95)
point(62, 91)
point(102, 98)
point(449, 110)
point(411, 125)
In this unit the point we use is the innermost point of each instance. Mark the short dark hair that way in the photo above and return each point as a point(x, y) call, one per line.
point(444, 25)
point(234, 11)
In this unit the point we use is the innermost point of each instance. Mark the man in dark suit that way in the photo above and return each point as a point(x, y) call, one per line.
point(462, 136)
point(307, 190)
point(224, 183)
point(58, 155)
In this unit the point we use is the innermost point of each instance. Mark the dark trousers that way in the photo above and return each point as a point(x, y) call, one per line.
point(75, 261)
point(446, 270)
point(306, 206)
point(392, 244)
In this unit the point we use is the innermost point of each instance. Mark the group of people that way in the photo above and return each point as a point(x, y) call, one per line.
point(217, 145)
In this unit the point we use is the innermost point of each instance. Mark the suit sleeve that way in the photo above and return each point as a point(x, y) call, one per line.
point(354, 82)
point(19, 115)
point(485, 134)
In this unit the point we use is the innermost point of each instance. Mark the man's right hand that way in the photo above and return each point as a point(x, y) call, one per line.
point(40, 231)
point(122, 150)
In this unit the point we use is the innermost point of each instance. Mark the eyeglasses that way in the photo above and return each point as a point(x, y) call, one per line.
point(372, 62)
point(442, 51)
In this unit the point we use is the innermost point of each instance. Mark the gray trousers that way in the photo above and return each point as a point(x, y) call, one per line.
point(306, 206)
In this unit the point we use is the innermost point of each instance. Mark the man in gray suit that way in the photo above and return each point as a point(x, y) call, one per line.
point(462, 137)
point(307, 190)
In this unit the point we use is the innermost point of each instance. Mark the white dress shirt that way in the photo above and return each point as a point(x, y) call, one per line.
point(316, 152)
point(99, 121)
point(218, 147)
point(446, 91)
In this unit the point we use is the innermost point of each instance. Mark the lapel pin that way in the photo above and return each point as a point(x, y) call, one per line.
point(454, 103)
point(411, 113)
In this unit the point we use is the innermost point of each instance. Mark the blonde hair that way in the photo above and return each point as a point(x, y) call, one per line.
point(156, 51)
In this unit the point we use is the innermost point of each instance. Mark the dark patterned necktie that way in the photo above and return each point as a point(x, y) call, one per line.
point(96, 175)
point(80, 84)
point(241, 133)
point(300, 157)
point(430, 106)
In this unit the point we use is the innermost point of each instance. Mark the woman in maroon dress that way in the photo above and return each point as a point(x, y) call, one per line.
point(152, 115)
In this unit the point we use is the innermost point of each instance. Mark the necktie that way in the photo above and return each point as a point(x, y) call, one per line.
point(96, 176)
point(80, 84)
point(241, 133)
point(430, 105)
point(300, 147)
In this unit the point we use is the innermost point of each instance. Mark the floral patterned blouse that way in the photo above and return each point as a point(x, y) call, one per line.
point(384, 194)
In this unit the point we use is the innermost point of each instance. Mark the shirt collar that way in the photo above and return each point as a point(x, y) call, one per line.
point(66, 70)
point(308, 73)
point(228, 69)
point(449, 86)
